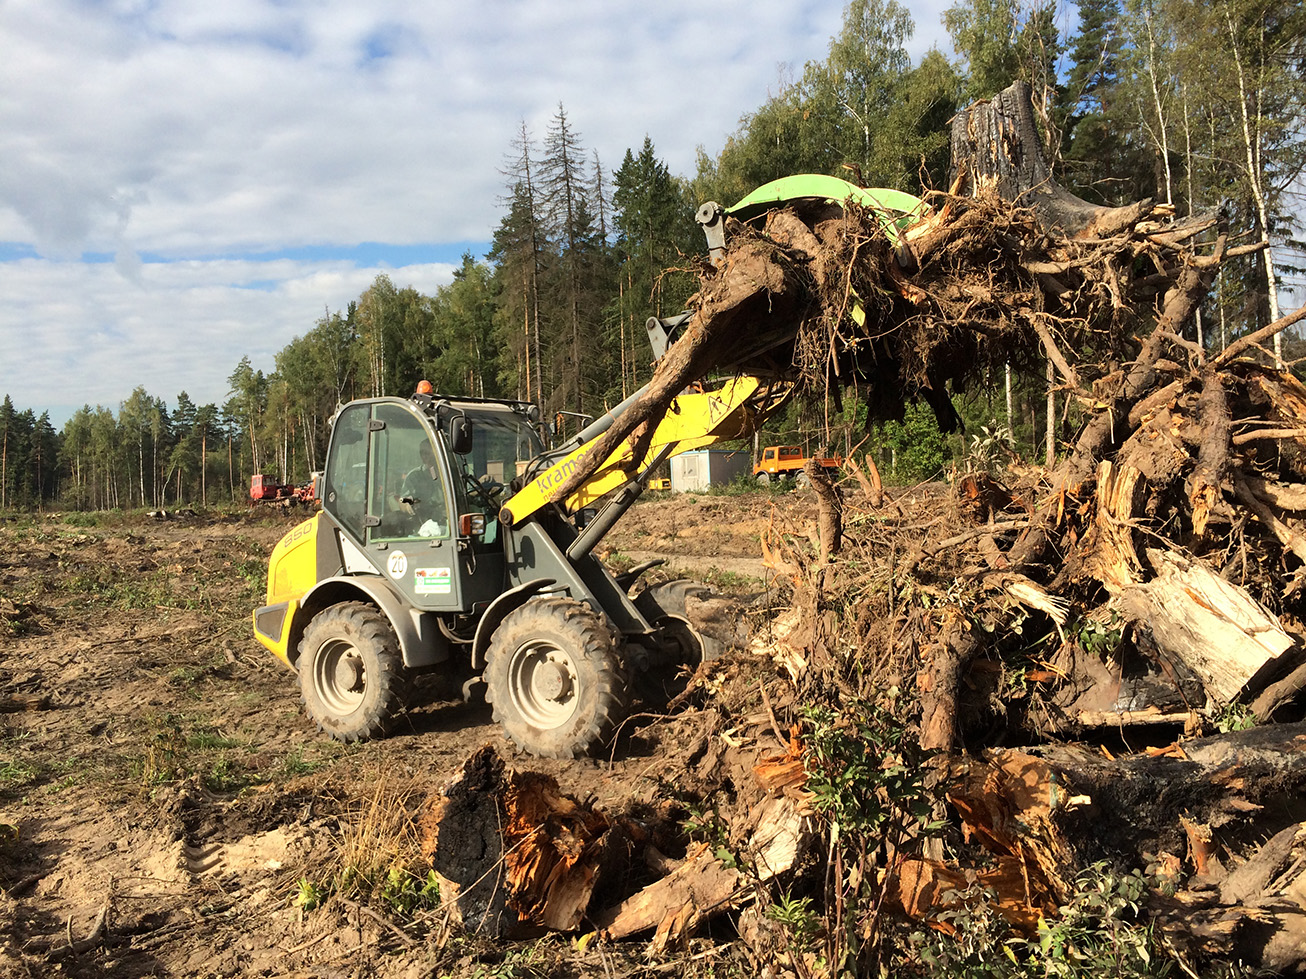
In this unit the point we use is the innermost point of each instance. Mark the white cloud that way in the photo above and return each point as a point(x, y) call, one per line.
point(189, 131)
point(74, 333)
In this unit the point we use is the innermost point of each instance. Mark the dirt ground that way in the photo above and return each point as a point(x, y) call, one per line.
point(166, 808)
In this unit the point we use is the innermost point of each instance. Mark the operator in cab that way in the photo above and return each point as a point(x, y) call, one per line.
point(421, 496)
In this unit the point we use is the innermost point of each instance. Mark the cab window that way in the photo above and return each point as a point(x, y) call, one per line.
point(410, 496)
point(346, 472)
point(502, 444)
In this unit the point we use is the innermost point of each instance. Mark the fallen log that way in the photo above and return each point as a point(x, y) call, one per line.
point(675, 905)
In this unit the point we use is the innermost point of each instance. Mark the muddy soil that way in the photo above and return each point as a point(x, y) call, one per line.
point(167, 809)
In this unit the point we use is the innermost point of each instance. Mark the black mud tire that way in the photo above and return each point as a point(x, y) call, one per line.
point(665, 606)
point(555, 679)
point(763, 479)
point(351, 673)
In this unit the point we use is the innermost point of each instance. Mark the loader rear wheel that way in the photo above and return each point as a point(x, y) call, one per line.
point(351, 673)
point(554, 678)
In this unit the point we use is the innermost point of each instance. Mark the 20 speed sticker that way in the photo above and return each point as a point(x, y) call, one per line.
point(433, 581)
point(397, 565)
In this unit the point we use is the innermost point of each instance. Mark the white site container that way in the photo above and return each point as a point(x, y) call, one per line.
point(696, 470)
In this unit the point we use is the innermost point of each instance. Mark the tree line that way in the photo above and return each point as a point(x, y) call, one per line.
point(1195, 104)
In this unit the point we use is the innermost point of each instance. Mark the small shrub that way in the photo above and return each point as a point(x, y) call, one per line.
point(1099, 932)
point(308, 895)
point(1234, 717)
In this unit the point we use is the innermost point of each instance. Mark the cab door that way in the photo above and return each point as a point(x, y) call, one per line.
point(387, 488)
point(410, 505)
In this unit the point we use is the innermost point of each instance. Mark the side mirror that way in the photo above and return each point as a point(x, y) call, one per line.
point(460, 435)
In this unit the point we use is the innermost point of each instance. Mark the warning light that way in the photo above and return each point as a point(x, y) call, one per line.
point(425, 387)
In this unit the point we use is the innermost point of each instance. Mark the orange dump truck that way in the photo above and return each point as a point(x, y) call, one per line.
point(787, 462)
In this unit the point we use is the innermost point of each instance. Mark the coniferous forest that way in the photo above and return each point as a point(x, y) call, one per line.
point(1192, 104)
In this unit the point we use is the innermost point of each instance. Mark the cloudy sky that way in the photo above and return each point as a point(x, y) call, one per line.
point(185, 183)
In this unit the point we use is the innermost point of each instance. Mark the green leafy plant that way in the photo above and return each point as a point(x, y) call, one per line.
point(1234, 717)
point(864, 770)
point(867, 777)
point(404, 892)
point(1100, 931)
point(990, 449)
point(308, 895)
point(705, 825)
point(1100, 638)
point(224, 776)
point(797, 915)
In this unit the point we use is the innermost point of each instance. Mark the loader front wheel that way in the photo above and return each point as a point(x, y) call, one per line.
point(554, 678)
point(351, 673)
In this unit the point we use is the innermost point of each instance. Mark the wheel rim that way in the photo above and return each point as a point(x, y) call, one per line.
point(681, 640)
point(340, 676)
point(543, 684)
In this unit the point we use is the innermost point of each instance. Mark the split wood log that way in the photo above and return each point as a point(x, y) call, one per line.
point(783, 825)
point(1215, 628)
point(1108, 550)
point(676, 904)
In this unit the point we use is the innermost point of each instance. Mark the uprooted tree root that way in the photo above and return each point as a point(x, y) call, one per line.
point(1148, 586)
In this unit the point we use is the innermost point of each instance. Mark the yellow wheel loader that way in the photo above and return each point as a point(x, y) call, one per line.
point(439, 545)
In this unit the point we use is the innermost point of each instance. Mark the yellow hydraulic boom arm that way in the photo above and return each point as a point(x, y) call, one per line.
point(694, 420)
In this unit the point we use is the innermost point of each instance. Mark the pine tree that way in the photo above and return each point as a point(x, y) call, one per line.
point(579, 280)
point(519, 256)
point(517, 260)
point(654, 234)
point(1100, 157)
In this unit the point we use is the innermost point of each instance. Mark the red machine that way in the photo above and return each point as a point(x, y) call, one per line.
point(264, 488)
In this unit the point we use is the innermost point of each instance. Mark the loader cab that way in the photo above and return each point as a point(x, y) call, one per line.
point(410, 507)
point(388, 489)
